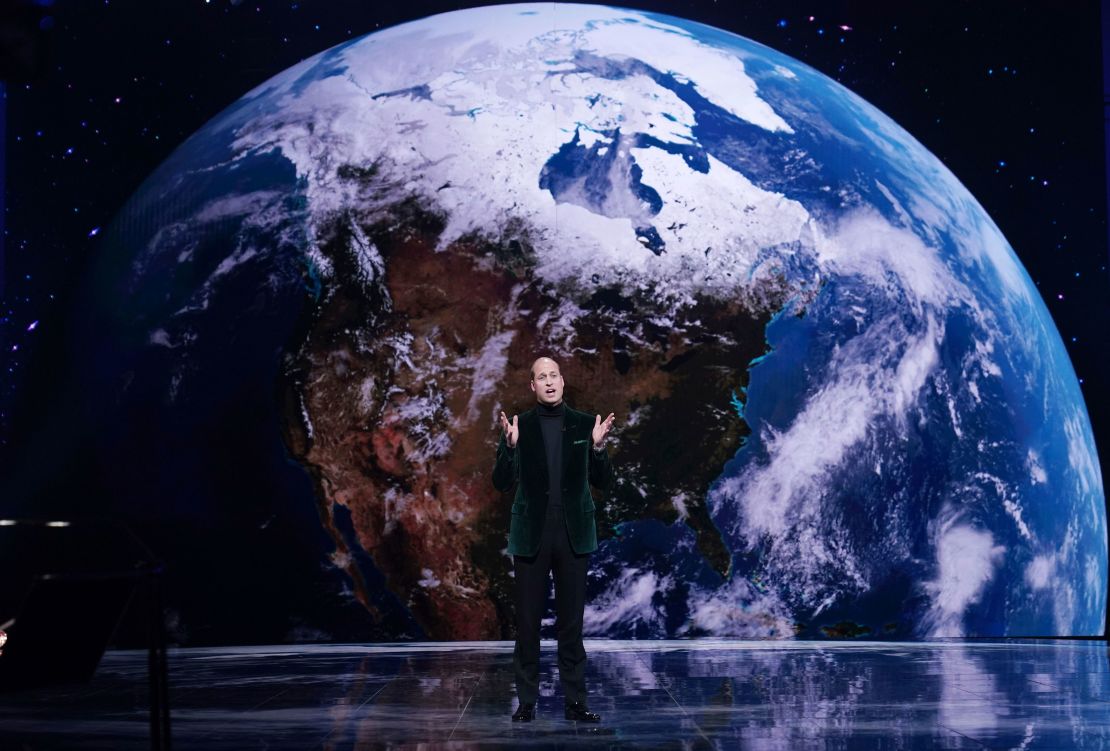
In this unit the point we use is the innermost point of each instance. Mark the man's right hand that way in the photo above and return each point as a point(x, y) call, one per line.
point(510, 430)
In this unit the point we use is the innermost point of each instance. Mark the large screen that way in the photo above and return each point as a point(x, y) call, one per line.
point(843, 407)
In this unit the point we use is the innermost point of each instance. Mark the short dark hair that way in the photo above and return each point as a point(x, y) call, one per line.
point(532, 368)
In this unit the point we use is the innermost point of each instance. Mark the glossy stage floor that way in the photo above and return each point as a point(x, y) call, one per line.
point(658, 694)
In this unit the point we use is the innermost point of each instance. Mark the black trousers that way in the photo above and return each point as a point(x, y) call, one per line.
point(555, 555)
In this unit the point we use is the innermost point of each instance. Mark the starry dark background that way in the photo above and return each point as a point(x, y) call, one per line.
point(1007, 95)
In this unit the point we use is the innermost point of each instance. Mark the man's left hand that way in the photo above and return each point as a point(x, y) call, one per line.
point(601, 429)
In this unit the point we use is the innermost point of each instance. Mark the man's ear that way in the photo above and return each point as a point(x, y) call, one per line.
point(532, 385)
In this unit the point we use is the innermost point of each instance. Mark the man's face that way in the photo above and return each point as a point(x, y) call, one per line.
point(547, 381)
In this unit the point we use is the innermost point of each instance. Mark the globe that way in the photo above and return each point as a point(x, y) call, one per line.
point(842, 408)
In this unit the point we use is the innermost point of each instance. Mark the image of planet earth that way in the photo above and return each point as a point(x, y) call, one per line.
point(842, 408)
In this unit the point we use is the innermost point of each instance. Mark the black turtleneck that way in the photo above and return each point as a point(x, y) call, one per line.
point(551, 425)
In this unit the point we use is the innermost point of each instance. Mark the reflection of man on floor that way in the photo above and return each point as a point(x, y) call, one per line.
point(553, 454)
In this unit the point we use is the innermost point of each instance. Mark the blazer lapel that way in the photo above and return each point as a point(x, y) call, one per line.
point(570, 432)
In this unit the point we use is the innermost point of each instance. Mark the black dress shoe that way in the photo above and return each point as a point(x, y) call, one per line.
point(526, 712)
point(577, 711)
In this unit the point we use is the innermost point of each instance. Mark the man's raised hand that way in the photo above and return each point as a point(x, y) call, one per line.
point(601, 429)
point(510, 430)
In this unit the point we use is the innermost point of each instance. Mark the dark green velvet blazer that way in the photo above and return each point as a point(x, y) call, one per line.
point(526, 466)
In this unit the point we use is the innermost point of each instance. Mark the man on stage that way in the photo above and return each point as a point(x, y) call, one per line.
point(553, 454)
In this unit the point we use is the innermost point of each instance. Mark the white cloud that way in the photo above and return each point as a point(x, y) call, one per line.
point(965, 558)
point(740, 610)
point(1040, 571)
point(627, 603)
